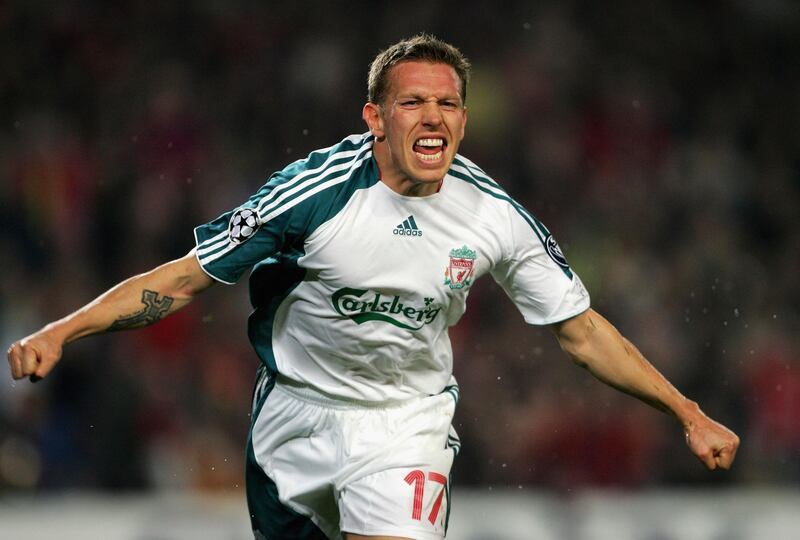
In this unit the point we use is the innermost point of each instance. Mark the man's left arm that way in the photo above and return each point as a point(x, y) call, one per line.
point(593, 343)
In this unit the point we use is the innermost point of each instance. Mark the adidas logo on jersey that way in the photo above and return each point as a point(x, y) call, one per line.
point(408, 228)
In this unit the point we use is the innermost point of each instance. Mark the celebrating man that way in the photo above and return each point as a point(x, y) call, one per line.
point(361, 257)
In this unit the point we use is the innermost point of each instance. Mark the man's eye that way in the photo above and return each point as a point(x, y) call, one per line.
point(410, 103)
point(449, 105)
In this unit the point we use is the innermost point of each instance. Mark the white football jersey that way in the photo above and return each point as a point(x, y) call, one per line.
point(354, 286)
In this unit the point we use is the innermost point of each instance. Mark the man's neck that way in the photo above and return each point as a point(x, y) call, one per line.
point(397, 182)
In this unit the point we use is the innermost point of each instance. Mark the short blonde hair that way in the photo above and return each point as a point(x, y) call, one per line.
point(423, 47)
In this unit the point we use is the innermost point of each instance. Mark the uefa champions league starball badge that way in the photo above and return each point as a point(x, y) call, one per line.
point(243, 224)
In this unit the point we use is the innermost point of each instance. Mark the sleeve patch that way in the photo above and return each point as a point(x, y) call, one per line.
point(243, 225)
point(555, 251)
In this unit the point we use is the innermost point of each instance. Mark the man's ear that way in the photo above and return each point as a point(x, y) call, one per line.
point(371, 114)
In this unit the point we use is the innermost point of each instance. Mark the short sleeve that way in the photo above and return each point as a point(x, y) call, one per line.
point(240, 238)
point(535, 274)
point(280, 216)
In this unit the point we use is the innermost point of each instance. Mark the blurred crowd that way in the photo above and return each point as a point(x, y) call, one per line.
point(657, 140)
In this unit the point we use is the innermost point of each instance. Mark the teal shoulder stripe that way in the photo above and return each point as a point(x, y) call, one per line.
point(283, 192)
point(318, 157)
point(501, 196)
point(479, 175)
point(306, 188)
point(329, 202)
point(467, 171)
point(293, 184)
point(332, 175)
point(293, 180)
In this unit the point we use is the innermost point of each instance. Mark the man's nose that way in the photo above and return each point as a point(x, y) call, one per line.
point(431, 113)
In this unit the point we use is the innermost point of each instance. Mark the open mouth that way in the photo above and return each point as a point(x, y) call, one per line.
point(430, 150)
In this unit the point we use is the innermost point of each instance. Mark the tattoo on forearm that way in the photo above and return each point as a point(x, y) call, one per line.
point(155, 308)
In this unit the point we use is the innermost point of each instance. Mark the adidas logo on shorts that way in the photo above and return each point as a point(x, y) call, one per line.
point(408, 228)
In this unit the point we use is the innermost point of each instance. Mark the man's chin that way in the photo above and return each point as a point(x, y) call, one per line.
point(432, 179)
point(430, 174)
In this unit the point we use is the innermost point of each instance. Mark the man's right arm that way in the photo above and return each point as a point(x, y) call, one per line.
point(136, 302)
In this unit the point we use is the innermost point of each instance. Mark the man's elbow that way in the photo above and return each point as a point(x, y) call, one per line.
point(194, 280)
point(576, 352)
point(184, 278)
point(575, 337)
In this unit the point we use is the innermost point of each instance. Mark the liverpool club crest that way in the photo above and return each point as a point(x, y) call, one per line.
point(461, 268)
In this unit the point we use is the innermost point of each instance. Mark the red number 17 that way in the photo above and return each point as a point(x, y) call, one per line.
point(417, 478)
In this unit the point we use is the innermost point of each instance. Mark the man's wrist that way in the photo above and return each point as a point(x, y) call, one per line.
point(58, 331)
point(687, 412)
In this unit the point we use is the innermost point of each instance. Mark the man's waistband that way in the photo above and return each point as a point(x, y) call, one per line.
point(314, 395)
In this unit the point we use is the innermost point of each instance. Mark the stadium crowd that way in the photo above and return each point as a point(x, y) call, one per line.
point(657, 140)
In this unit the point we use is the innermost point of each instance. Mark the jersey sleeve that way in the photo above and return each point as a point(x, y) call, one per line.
point(280, 216)
point(535, 274)
point(259, 228)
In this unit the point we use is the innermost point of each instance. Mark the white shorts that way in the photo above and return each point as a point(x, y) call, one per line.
point(318, 467)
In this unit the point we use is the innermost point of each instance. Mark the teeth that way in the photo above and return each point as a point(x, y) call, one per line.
point(429, 157)
point(430, 142)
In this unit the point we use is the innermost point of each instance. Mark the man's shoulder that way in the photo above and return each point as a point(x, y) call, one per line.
point(475, 180)
point(319, 185)
point(351, 149)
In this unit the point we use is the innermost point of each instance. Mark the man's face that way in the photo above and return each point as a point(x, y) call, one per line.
point(422, 120)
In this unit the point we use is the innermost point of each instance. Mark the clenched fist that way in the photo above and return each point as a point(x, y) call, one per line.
point(712, 443)
point(34, 356)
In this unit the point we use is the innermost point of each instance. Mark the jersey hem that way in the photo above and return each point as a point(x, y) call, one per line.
point(203, 268)
point(559, 318)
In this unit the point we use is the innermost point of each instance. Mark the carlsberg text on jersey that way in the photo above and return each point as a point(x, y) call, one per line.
point(390, 309)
